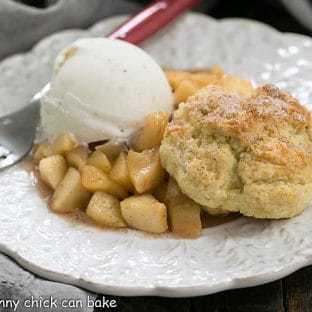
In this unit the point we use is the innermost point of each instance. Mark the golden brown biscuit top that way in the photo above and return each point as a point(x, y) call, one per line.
point(270, 124)
point(268, 106)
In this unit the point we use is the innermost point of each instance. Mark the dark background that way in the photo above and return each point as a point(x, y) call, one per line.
point(267, 11)
point(291, 294)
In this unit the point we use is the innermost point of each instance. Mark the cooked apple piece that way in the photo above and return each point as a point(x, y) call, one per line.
point(185, 84)
point(176, 76)
point(215, 70)
point(94, 180)
point(120, 172)
point(70, 193)
point(52, 170)
point(152, 132)
point(99, 159)
point(183, 213)
point(145, 213)
point(185, 89)
point(111, 149)
point(145, 170)
point(42, 151)
point(202, 79)
point(236, 84)
point(64, 143)
point(104, 209)
point(78, 156)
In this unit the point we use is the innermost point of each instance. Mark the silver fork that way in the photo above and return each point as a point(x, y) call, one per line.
point(18, 130)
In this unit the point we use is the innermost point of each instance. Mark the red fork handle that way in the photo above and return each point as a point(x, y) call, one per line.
point(153, 17)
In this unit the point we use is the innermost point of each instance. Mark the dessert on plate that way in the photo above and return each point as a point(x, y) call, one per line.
point(156, 150)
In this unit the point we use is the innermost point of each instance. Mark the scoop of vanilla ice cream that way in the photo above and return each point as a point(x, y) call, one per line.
point(103, 89)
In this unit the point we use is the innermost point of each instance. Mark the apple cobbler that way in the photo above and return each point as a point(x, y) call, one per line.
point(225, 150)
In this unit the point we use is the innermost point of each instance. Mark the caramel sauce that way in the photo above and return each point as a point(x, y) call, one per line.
point(79, 216)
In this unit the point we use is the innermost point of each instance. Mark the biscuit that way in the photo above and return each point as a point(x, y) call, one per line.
point(248, 154)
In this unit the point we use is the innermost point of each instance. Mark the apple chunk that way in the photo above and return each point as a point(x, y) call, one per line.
point(152, 132)
point(64, 143)
point(70, 193)
point(111, 149)
point(52, 170)
point(185, 89)
point(183, 213)
point(145, 213)
point(176, 76)
point(104, 209)
point(120, 172)
point(94, 180)
point(99, 159)
point(145, 170)
point(78, 156)
point(42, 151)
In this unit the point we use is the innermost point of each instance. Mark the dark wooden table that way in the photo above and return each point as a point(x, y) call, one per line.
point(291, 294)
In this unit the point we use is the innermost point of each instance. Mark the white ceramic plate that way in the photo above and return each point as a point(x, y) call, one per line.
point(238, 254)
